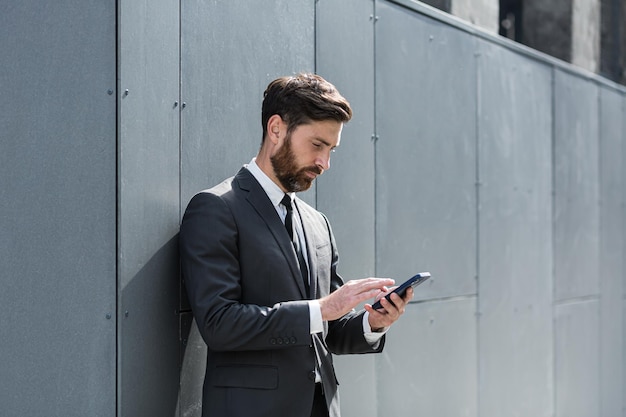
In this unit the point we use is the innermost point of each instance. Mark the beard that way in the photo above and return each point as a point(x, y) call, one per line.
point(292, 178)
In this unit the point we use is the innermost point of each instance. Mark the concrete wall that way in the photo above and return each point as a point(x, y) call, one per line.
point(613, 40)
point(483, 13)
point(586, 25)
point(494, 167)
point(566, 29)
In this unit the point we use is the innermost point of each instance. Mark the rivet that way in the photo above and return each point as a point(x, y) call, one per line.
point(184, 104)
point(126, 92)
point(110, 92)
point(126, 313)
point(108, 316)
point(175, 104)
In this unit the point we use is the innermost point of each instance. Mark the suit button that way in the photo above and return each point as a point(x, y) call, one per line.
point(280, 341)
point(293, 340)
point(312, 375)
point(286, 340)
point(272, 341)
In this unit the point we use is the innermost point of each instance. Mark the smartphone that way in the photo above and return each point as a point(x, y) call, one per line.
point(411, 282)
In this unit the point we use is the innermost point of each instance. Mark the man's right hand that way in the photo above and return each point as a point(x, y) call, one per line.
point(351, 294)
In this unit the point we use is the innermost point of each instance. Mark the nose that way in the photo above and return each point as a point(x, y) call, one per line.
point(323, 161)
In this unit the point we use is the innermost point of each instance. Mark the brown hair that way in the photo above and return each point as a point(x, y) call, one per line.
point(301, 99)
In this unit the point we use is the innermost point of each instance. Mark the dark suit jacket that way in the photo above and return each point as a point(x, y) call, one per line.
point(249, 302)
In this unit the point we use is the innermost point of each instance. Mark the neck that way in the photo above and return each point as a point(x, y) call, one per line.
point(263, 162)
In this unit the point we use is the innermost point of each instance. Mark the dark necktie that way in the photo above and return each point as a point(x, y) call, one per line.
point(286, 201)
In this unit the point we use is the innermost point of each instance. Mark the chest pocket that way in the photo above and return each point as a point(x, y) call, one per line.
point(323, 256)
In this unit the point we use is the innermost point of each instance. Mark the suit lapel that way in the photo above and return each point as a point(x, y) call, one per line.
point(259, 200)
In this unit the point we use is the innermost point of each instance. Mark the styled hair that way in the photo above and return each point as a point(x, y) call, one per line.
point(301, 99)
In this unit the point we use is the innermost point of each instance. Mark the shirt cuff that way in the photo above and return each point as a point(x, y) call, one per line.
point(315, 317)
point(373, 338)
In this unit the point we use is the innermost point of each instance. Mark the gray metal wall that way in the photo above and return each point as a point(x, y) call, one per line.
point(497, 168)
point(57, 208)
point(148, 207)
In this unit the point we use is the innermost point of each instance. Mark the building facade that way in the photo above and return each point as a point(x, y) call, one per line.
point(590, 34)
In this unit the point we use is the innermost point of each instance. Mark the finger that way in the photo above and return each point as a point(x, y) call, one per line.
point(396, 299)
point(354, 296)
point(381, 313)
point(379, 318)
point(369, 290)
point(398, 303)
point(409, 295)
point(374, 282)
point(370, 309)
point(379, 310)
point(388, 307)
point(404, 300)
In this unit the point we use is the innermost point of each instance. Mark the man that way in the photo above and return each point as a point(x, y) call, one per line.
point(260, 267)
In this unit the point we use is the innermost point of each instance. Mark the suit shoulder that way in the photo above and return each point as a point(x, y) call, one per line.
point(219, 189)
point(213, 197)
point(231, 185)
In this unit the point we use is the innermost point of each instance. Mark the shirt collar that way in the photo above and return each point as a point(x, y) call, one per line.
point(272, 190)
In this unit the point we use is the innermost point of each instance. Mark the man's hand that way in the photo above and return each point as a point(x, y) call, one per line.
point(351, 294)
point(391, 311)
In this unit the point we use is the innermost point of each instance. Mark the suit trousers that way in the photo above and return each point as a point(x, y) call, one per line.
point(319, 403)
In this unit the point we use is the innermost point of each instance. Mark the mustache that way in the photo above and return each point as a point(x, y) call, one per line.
point(314, 169)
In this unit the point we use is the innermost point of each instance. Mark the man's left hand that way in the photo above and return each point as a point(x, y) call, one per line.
point(391, 311)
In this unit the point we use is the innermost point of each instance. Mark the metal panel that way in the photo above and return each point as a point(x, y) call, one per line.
point(148, 208)
point(433, 371)
point(624, 255)
point(345, 56)
point(57, 208)
point(346, 192)
point(357, 390)
point(229, 55)
point(192, 367)
point(611, 252)
point(515, 229)
point(577, 359)
point(576, 183)
point(425, 159)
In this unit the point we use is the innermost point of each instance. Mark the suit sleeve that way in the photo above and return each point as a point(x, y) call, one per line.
point(212, 274)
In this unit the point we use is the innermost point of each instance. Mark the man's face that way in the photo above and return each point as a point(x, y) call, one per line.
point(305, 154)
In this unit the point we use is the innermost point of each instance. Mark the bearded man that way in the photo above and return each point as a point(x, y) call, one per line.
point(260, 267)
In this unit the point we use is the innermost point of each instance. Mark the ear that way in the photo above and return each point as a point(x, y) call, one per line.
point(276, 128)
